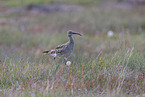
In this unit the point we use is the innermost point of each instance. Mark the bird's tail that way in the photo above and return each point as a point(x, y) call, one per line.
point(46, 52)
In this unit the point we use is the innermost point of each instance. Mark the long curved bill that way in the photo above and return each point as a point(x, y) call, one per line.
point(76, 33)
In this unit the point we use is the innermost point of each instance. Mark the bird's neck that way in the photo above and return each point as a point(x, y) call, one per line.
point(71, 39)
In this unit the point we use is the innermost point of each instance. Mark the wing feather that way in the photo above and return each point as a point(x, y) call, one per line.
point(61, 48)
point(58, 50)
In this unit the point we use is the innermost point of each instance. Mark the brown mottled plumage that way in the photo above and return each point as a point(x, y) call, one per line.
point(63, 50)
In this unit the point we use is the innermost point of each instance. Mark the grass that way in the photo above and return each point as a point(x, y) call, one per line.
point(101, 65)
point(16, 3)
point(123, 72)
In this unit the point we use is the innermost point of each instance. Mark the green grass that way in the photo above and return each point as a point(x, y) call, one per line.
point(101, 65)
point(16, 3)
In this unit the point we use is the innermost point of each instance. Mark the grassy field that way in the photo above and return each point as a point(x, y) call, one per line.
point(16, 3)
point(102, 66)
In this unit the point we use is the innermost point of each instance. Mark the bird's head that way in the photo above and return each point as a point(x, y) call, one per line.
point(70, 33)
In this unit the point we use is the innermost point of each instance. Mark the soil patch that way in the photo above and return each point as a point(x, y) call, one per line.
point(56, 7)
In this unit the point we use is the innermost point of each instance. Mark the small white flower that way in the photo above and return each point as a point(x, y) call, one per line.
point(68, 63)
point(110, 33)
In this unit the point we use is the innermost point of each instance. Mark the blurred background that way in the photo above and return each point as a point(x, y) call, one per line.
point(30, 26)
point(111, 49)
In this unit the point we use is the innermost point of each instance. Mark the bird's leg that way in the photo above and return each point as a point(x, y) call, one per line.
point(65, 60)
point(56, 67)
point(55, 61)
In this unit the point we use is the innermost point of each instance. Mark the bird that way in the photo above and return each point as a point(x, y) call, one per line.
point(63, 50)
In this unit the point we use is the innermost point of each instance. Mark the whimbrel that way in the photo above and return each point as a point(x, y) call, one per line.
point(63, 50)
